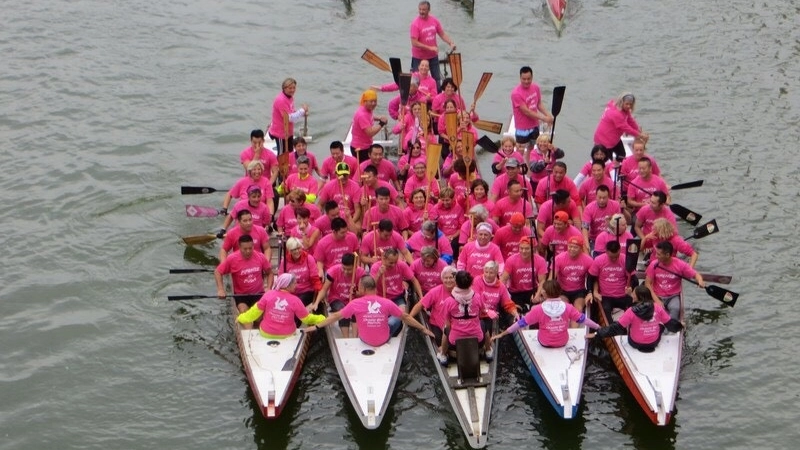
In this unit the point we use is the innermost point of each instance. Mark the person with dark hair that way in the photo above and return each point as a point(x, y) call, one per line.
point(416, 212)
point(304, 231)
point(664, 277)
point(642, 187)
point(596, 215)
point(287, 216)
point(258, 209)
point(611, 283)
point(376, 241)
point(329, 170)
point(514, 202)
point(644, 323)
point(518, 273)
point(557, 180)
point(512, 172)
point(479, 195)
point(385, 210)
point(657, 208)
point(338, 289)
point(528, 108)
point(385, 170)
point(463, 312)
point(257, 152)
point(572, 270)
point(323, 223)
point(559, 201)
point(617, 119)
point(344, 191)
point(423, 31)
point(248, 270)
point(302, 179)
point(370, 183)
point(244, 226)
point(598, 177)
point(332, 247)
point(598, 153)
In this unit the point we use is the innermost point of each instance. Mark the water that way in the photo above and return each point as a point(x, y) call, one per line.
point(109, 107)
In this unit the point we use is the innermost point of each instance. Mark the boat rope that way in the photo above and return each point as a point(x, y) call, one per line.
point(253, 337)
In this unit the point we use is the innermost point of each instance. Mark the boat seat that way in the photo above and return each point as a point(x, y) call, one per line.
point(468, 359)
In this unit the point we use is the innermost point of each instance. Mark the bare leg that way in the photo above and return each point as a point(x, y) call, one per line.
point(242, 307)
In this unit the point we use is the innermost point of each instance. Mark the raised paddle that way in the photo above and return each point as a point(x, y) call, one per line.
point(690, 184)
point(192, 190)
point(632, 254)
point(189, 270)
point(378, 62)
point(451, 127)
point(455, 66)
point(290, 363)
point(686, 214)
point(725, 296)
point(704, 230)
point(202, 211)
point(485, 78)
point(397, 69)
point(487, 144)
point(555, 108)
point(491, 127)
point(712, 277)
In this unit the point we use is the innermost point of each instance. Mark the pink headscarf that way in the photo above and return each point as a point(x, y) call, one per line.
point(283, 281)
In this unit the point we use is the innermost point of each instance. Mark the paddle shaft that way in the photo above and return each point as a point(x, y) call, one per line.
point(725, 296)
point(173, 271)
point(691, 184)
point(289, 365)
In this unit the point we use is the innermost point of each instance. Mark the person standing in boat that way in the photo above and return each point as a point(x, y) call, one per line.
point(617, 119)
point(553, 317)
point(365, 126)
point(610, 281)
point(279, 307)
point(302, 265)
point(284, 104)
point(518, 273)
point(338, 289)
point(644, 323)
point(372, 314)
point(664, 278)
point(247, 268)
point(528, 108)
point(463, 310)
point(433, 302)
point(423, 31)
point(244, 226)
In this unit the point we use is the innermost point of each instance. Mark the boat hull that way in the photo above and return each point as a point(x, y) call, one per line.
point(558, 10)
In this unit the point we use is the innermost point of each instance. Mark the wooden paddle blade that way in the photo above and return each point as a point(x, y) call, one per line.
point(283, 164)
point(558, 99)
point(397, 69)
point(432, 154)
point(685, 213)
point(378, 62)
point(691, 184)
point(199, 239)
point(424, 118)
point(487, 144)
point(191, 190)
point(468, 141)
point(725, 296)
point(491, 127)
point(455, 66)
point(451, 125)
point(485, 78)
point(705, 230)
point(189, 270)
point(405, 87)
point(632, 254)
point(201, 211)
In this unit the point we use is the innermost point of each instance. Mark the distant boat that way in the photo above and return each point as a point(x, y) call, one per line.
point(558, 10)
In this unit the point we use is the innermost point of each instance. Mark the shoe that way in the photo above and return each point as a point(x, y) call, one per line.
point(443, 359)
point(489, 354)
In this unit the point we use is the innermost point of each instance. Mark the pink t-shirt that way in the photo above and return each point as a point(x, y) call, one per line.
point(260, 212)
point(328, 169)
point(417, 241)
point(594, 217)
point(428, 277)
point(553, 332)
point(498, 157)
point(508, 240)
point(403, 162)
point(414, 217)
point(467, 228)
point(535, 156)
point(504, 209)
point(613, 124)
point(664, 283)
point(559, 240)
point(373, 239)
point(605, 237)
point(525, 96)
point(546, 213)
point(287, 220)
point(280, 308)
point(565, 184)
point(323, 224)
point(345, 194)
point(231, 241)
point(362, 120)
point(309, 184)
point(630, 167)
point(312, 162)
point(488, 204)
point(472, 257)
point(413, 183)
point(588, 189)
point(393, 213)
point(386, 170)
point(449, 220)
point(425, 31)
point(434, 303)
point(679, 245)
point(342, 284)
point(302, 234)
point(644, 331)
point(571, 273)
point(438, 107)
point(519, 272)
point(329, 250)
point(495, 296)
point(647, 215)
point(394, 278)
point(372, 316)
point(394, 104)
point(370, 192)
point(459, 185)
point(646, 188)
point(304, 270)
point(500, 186)
point(267, 158)
point(239, 189)
point(282, 104)
point(611, 275)
point(464, 327)
point(247, 274)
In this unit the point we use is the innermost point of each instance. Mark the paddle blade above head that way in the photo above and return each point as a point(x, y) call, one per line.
point(686, 214)
point(691, 184)
point(485, 78)
point(432, 154)
point(376, 61)
point(405, 87)
point(491, 127)
point(455, 66)
point(558, 99)
point(632, 247)
point(468, 142)
point(397, 69)
point(192, 190)
point(451, 125)
point(487, 144)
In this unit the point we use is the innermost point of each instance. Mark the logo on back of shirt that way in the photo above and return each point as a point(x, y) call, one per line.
point(374, 307)
point(281, 304)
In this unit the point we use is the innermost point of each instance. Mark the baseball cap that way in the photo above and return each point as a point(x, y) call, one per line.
point(562, 216)
point(576, 240)
point(512, 162)
point(517, 219)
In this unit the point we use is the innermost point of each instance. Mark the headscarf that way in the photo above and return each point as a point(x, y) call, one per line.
point(554, 307)
point(463, 296)
point(368, 95)
point(283, 281)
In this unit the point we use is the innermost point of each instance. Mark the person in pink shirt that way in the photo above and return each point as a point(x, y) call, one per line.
point(558, 180)
point(376, 317)
point(559, 201)
point(302, 180)
point(385, 210)
point(390, 273)
point(572, 270)
point(419, 180)
point(507, 151)
point(495, 295)
point(364, 126)
point(479, 195)
point(345, 192)
point(370, 184)
point(302, 265)
point(332, 247)
point(449, 92)
point(427, 268)
point(518, 274)
point(330, 164)
point(429, 236)
point(386, 170)
point(463, 310)
point(500, 185)
point(287, 217)
point(598, 178)
point(375, 242)
point(244, 226)
point(323, 223)
point(556, 236)
point(423, 32)
point(644, 323)
point(304, 231)
point(508, 236)
point(514, 202)
point(284, 104)
point(247, 269)
point(664, 230)
point(301, 151)
point(404, 165)
point(416, 213)
point(458, 180)
point(642, 187)
point(656, 209)
point(611, 282)
point(255, 177)
point(339, 287)
point(528, 107)
point(433, 302)
point(257, 208)
point(279, 307)
point(597, 213)
point(617, 119)
point(664, 278)
point(475, 216)
point(480, 251)
point(630, 165)
point(414, 96)
point(553, 316)
point(448, 216)
point(598, 153)
point(257, 152)
point(541, 159)
point(616, 230)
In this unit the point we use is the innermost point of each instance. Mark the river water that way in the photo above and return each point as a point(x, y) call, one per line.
point(107, 107)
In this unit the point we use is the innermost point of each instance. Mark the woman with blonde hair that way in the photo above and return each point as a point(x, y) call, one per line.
point(664, 230)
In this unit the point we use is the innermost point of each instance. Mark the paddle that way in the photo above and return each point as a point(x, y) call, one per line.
point(487, 144)
point(378, 62)
point(491, 127)
point(199, 239)
point(632, 254)
point(691, 184)
point(202, 211)
point(397, 68)
point(725, 296)
point(189, 270)
point(405, 88)
point(555, 108)
point(455, 65)
point(686, 214)
point(451, 127)
point(485, 78)
point(704, 230)
point(201, 296)
point(192, 190)
point(711, 277)
point(289, 365)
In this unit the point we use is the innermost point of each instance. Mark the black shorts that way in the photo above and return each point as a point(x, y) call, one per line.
point(248, 300)
point(573, 295)
point(527, 137)
point(618, 150)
